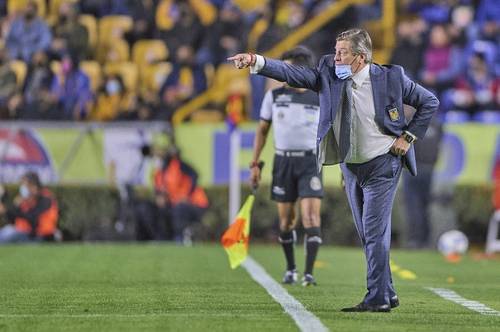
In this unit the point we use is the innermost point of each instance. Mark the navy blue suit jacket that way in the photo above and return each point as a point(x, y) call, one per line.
point(391, 89)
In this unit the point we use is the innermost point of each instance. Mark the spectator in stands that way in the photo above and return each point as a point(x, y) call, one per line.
point(410, 46)
point(176, 184)
point(144, 21)
point(34, 213)
point(179, 25)
point(114, 100)
point(487, 13)
point(8, 86)
point(70, 36)
point(226, 34)
point(442, 61)
point(186, 80)
point(478, 89)
point(28, 34)
point(35, 101)
point(71, 90)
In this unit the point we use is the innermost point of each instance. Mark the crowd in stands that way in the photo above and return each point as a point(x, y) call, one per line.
point(107, 60)
point(453, 48)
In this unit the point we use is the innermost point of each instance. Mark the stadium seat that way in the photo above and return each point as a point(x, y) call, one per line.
point(113, 27)
point(250, 5)
point(488, 117)
point(162, 17)
point(153, 75)
point(89, 22)
point(127, 70)
point(20, 69)
point(147, 51)
point(456, 117)
point(205, 11)
point(14, 6)
point(116, 51)
point(93, 71)
point(207, 116)
point(54, 8)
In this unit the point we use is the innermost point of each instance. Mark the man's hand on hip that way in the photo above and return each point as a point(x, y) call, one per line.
point(400, 146)
point(243, 60)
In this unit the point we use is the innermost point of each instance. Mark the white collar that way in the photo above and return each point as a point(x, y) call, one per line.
point(362, 75)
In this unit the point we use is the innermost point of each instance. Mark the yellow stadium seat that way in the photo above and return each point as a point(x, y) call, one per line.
point(205, 11)
point(162, 18)
point(148, 51)
point(20, 69)
point(153, 76)
point(127, 70)
point(116, 51)
point(207, 116)
point(54, 8)
point(89, 22)
point(93, 71)
point(14, 6)
point(113, 27)
point(250, 5)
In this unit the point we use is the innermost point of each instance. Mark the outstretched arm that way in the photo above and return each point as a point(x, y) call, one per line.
point(295, 76)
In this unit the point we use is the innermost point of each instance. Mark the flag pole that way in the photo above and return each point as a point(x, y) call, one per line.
point(234, 174)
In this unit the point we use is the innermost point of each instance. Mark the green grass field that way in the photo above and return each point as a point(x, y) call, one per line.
point(169, 288)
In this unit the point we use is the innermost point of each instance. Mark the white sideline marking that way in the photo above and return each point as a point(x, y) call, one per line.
point(450, 295)
point(304, 319)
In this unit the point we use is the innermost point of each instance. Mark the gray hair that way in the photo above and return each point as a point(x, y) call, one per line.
point(361, 43)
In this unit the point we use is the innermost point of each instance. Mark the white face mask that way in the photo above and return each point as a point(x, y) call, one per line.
point(24, 191)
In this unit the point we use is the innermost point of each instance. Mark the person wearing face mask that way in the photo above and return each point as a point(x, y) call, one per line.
point(27, 35)
point(34, 213)
point(113, 100)
point(362, 127)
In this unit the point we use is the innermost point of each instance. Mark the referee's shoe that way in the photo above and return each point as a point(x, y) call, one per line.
point(308, 280)
point(290, 277)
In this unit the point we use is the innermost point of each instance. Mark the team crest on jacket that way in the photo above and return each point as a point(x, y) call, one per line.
point(394, 114)
point(315, 183)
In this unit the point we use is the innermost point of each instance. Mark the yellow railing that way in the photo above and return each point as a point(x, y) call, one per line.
point(223, 78)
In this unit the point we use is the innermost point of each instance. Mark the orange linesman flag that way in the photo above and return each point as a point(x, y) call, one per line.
point(236, 238)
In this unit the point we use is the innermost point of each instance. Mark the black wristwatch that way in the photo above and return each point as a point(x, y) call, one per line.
point(409, 137)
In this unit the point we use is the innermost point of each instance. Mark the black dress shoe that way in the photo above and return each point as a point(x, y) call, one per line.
point(364, 307)
point(394, 302)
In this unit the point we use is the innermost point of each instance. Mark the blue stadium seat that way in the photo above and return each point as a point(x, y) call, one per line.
point(487, 117)
point(456, 117)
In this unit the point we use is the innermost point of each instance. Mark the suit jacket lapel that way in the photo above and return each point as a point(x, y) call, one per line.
point(379, 87)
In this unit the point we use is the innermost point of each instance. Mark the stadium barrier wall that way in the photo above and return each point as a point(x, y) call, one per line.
point(95, 212)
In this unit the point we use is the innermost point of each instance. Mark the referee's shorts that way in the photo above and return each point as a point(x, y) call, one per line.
point(295, 175)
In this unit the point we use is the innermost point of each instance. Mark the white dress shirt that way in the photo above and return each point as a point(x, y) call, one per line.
point(367, 140)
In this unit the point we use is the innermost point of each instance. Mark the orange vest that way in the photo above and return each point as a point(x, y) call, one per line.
point(177, 185)
point(47, 220)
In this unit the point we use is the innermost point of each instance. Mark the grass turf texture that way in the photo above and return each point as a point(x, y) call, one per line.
point(169, 288)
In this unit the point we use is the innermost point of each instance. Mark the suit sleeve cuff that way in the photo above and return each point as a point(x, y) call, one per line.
point(259, 64)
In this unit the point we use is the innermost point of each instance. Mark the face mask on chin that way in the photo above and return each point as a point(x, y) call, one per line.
point(344, 71)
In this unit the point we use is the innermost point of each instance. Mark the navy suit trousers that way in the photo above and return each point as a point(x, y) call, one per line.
point(370, 189)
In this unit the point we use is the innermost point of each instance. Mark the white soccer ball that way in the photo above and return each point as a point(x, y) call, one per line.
point(453, 242)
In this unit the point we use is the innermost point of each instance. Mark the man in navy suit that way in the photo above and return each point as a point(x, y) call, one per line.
point(362, 126)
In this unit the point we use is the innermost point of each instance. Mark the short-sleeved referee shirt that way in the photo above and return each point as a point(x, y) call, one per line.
point(294, 115)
